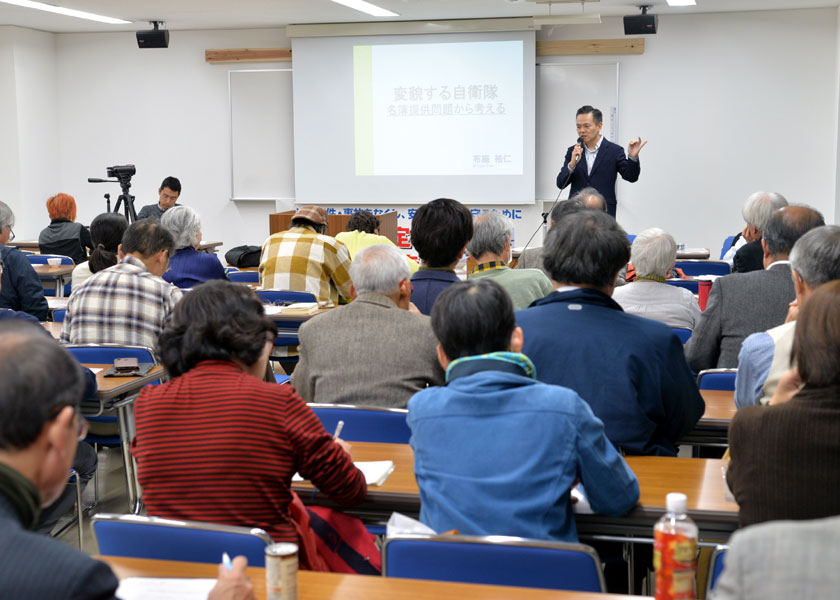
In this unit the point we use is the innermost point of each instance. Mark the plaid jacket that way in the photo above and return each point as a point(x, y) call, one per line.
point(304, 261)
point(124, 304)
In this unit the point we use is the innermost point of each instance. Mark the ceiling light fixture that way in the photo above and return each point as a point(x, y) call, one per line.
point(367, 7)
point(682, 3)
point(69, 12)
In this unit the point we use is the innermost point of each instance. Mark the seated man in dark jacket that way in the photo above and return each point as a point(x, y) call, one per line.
point(22, 289)
point(631, 370)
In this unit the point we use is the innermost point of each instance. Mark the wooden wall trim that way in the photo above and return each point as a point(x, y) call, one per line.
point(248, 55)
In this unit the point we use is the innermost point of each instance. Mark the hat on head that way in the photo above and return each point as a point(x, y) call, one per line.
point(313, 213)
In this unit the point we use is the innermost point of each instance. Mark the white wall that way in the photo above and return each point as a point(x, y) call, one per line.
point(730, 102)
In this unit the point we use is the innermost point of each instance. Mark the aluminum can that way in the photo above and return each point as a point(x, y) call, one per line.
point(281, 569)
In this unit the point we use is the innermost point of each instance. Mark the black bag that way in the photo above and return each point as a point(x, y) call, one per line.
point(243, 256)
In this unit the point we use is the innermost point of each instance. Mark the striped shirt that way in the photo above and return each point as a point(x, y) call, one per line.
point(304, 261)
point(124, 304)
point(221, 446)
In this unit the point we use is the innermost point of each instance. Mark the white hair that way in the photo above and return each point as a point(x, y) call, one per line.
point(759, 206)
point(378, 269)
point(184, 224)
point(653, 252)
point(7, 217)
point(491, 231)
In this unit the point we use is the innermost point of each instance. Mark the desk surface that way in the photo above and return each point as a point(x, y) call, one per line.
point(51, 272)
point(209, 247)
point(335, 586)
point(113, 387)
point(31, 245)
point(700, 479)
point(720, 408)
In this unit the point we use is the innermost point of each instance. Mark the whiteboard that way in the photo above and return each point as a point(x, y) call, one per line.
point(261, 140)
point(561, 90)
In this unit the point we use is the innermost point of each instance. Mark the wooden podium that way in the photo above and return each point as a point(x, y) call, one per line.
point(335, 223)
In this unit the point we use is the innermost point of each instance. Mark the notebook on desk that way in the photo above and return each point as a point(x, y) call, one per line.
point(376, 472)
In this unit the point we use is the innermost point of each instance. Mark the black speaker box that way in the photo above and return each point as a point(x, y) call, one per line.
point(153, 38)
point(640, 24)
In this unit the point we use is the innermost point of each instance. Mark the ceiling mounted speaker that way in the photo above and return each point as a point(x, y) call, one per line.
point(153, 38)
point(640, 24)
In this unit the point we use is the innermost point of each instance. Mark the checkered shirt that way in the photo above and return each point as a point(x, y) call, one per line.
point(124, 304)
point(304, 261)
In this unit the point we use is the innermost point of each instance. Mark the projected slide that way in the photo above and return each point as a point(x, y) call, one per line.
point(439, 109)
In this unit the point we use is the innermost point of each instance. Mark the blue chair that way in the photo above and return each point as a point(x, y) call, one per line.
point(244, 276)
point(691, 286)
point(134, 536)
point(703, 267)
point(717, 379)
point(631, 237)
point(727, 244)
point(365, 423)
point(283, 296)
point(494, 560)
point(683, 334)
point(716, 566)
point(41, 259)
point(59, 314)
point(281, 378)
point(229, 270)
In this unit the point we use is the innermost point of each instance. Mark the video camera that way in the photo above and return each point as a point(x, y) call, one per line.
point(122, 172)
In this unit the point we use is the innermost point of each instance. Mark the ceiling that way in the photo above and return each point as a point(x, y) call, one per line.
point(250, 14)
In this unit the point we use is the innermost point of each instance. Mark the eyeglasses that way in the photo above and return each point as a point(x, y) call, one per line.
point(11, 233)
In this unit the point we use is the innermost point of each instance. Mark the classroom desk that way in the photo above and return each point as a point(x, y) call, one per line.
point(57, 273)
point(713, 427)
point(693, 254)
point(209, 247)
point(28, 245)
point(336, 586)
point(53, 328)
point(119, 393)
point(700, 479)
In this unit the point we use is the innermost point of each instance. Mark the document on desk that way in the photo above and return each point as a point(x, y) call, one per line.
point(376, 472)
point(150, 588)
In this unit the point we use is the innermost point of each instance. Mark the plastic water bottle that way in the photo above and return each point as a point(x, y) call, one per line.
point(675, 551)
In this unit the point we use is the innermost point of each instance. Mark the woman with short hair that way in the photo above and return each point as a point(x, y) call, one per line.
point(219, 444)
point(653, 254)
point(63, 235)
point(189, 267)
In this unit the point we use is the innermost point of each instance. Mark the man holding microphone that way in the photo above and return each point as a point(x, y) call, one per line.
point(602, 160)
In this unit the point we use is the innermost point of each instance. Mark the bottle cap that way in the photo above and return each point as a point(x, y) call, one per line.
point(675, 502)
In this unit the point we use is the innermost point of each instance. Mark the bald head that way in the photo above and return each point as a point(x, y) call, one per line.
point(785, 226)
point(591, 198)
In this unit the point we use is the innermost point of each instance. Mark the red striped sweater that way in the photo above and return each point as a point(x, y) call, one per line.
point(218, 445)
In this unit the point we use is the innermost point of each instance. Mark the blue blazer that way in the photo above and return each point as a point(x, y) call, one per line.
point(609, 163)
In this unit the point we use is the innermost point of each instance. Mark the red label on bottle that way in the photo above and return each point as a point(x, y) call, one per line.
point(674, 558)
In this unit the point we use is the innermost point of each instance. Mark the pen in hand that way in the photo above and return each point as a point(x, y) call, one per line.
point(338, 429)
point(226, 561)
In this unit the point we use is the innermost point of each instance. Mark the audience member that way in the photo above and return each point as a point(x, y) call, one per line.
point(785, 459)
point(440, 231)
point(744, 303)
point(782, 560)
point(217, 431)
point(63, 235)
point(493, 428)
point(305, 259)
point(765, 356)
point(375, 351)
point(106, 231)
point(747, 245)
point(21, 287)
point(8, 313)
point(532, 258)
point(39, 428)
point(361, 231)
point(189, 267)
point(630, 370)
point(490, 248)
point(591, 198)
point(168, 194)
point(653, 255)
point(128, 303)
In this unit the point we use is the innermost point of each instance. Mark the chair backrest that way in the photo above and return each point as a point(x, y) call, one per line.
point(631, 237)
point(727, 244)
point(716, 566)
point(281, 296)
point(717, 379)
point(691, 286)
point(166, 539)
point(106, 353)
point(244, 276)
point(683, 334)
point(703, 267)
point(41, 259)
point(494, 560)
point(58, 315)
point(365, 423)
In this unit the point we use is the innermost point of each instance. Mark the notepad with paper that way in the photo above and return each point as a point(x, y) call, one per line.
point(376, 472)
point(151, 588)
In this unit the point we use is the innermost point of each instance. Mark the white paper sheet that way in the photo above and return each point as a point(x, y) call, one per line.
point(149, 588)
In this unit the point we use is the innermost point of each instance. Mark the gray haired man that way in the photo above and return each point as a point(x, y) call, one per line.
point(765, 356)
point(490, 248)
point(22, 290)
point(746, 253)
point(375, 351)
